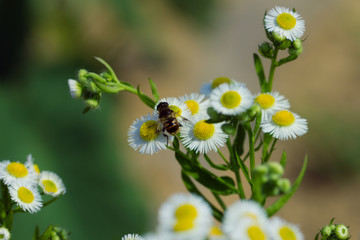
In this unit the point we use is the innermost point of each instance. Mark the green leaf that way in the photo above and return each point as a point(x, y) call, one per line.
point(204, 177)
point(154, 90)
point(111, 71)
point(317, 236)
point(47, 234)
point(145, 99)
point(215, 117)
point(220, 167)
point(36, 233)
point(283, 159)
point(190, 186)
point(243, 168)
point(176, 143)
point(239, 140)
point(276, 206)
point(228, 129)
point(260, 71)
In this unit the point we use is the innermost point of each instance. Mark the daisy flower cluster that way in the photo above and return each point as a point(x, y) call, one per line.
point(187, 217)
point(23, 184)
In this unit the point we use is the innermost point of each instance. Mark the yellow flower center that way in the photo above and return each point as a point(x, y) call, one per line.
point(185, 216)
point(283, 118)
point(50, 186)
point(193, 106)
point(176, 110)
point(17, 169)
point(36, 168)
point(148, 130)
point(265, 100)
point(203, 130)
point(287, 234)
point(230, 99)
point(25, 195)
point(286, 21)
point(215, 231)
point(251, 215)
point(255, 233)
point(220, 80)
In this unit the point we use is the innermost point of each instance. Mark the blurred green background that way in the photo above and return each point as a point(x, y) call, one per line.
point(180, 44)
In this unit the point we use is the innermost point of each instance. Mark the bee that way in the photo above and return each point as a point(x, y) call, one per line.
point(168, 119)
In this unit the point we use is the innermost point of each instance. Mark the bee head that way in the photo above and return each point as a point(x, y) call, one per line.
point(162, 105)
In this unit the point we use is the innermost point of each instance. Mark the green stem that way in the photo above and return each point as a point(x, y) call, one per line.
point(220, 201)
point(272, 70)
point(239, 184)
point(251, 148)
point(223, 157)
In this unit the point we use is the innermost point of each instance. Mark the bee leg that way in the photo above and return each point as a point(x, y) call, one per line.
point(167, 139)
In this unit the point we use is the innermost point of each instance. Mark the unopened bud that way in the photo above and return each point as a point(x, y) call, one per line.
point(254, 110)
point(261, 172)
point(278, 37)
point(228, 129)
point(295, 52)
point(326, 231)
point(276, 168)
point(285, 44)
point(284, 185)
point(82, 76)
point(266, 50)
point(342, 232)
point(297, 44)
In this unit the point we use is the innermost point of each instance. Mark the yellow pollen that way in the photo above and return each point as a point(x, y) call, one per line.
point(17, 169)
point(231, 99)
point(203, 130)
point(50, 186)
point(220, 80)
point(283, 118)
point(287, 234)
point(36, 168)
point(193, 106)
point(286, 21)
point(25, 195)
point(185, 216)
point(148, 130)
point(215, 231)
point(255, 233)
point(265, 100)
point(176, 110)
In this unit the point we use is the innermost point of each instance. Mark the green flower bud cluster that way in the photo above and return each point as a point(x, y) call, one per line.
point(90, 93)
point(59, 233)
point(269, 176)
point(334, 232)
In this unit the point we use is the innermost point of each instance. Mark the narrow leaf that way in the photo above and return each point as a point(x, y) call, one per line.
point(283, 159)
point(107, 67)
point(271, 210)
point(220, 167)
point(243, 168)
point(259, 70)
point(145, 99)
point(154, 90)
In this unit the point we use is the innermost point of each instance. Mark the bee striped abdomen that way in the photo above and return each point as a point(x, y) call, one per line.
point(171, 125)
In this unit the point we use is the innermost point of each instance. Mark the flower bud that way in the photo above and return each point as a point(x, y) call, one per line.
point(297, 44)
point(266, 50)
point(285, 44)
point(276, 168)
point(295, 52)
point(342, 232)
point(82, 76)
point(326, 231)
point(284, 185)
point(228, 129)
point(278, 37)
point(254, 110)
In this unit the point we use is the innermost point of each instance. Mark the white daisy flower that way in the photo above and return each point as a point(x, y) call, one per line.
point(207, 88)
point(285, 22)
point(132, 237)
point(196, 103)
point(144, 134)
point(271, 103)
point(4, 233)
point(11, 172)
point(242, 211)
point(283, 230)
point(201, 136)
point(251, 230)
point(31, 165)
point(26, 196)
point(231, 99)
point(51, 184)
point(75, 88)
point(285, 125)
point(179, 107)
point(185, 216)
